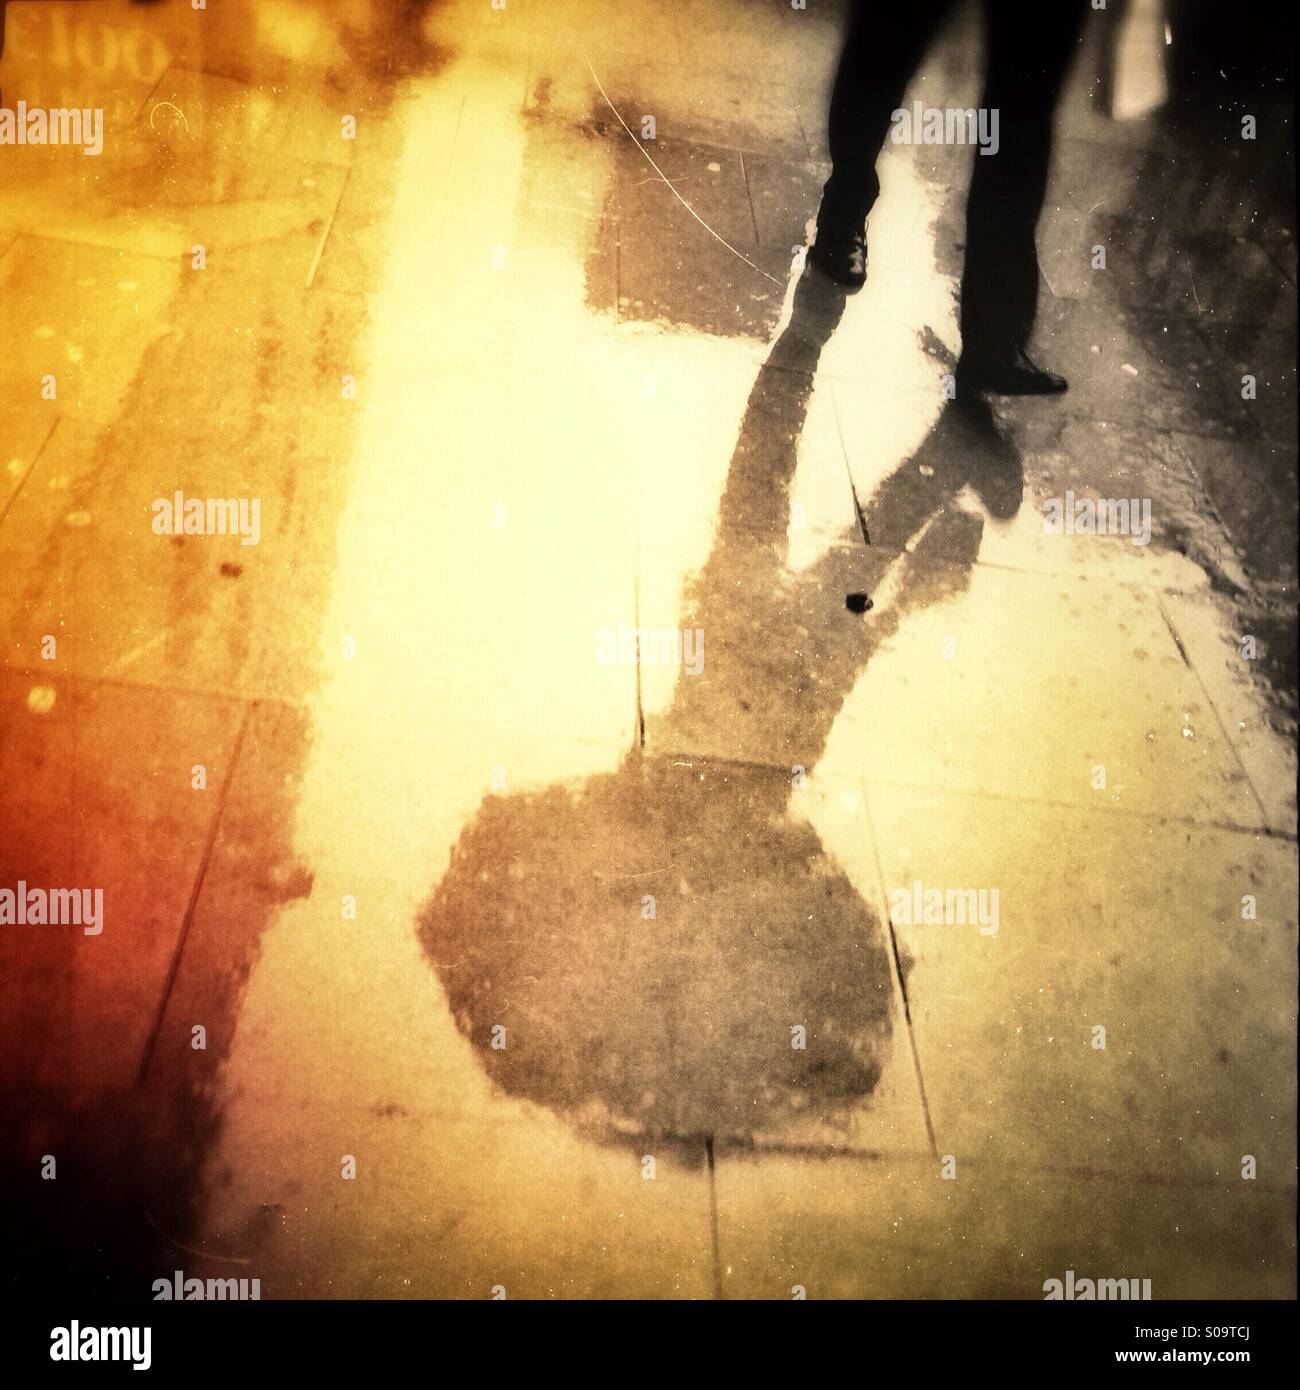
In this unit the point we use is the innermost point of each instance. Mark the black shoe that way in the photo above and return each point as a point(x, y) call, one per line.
point(1017, 376)
point(841, 255)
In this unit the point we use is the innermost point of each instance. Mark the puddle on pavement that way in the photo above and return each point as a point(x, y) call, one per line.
point(676, 1024)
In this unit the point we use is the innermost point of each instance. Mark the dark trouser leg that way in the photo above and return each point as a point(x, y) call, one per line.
point(884, 44)
point(1030, 43)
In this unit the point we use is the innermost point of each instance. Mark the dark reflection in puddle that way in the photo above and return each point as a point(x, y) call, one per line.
point(651, 939)
point(677, 1025)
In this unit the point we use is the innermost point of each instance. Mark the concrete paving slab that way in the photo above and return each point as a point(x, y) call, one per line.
point(784, 194)
point(833, 1227)
point(1154, 521)
point(142, 852)
point(1261, 352)
point(1212, 634)
point(56, 296)
point(1145, 366)
point(1129, 706)
point(1007, 1000)
point(518, 1210)
point(203, 617)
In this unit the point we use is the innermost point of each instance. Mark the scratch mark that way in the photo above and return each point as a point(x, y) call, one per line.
point(669, 183)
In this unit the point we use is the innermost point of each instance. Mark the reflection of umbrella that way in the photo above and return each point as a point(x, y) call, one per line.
point(649, 941)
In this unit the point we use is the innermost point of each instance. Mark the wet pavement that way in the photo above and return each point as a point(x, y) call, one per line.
point(604, 965)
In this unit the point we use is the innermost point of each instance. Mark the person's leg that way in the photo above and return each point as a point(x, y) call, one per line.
point(1030, 44)
point(882, 48)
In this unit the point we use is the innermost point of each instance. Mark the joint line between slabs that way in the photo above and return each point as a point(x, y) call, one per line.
point(896, 970)
point(187, 921)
